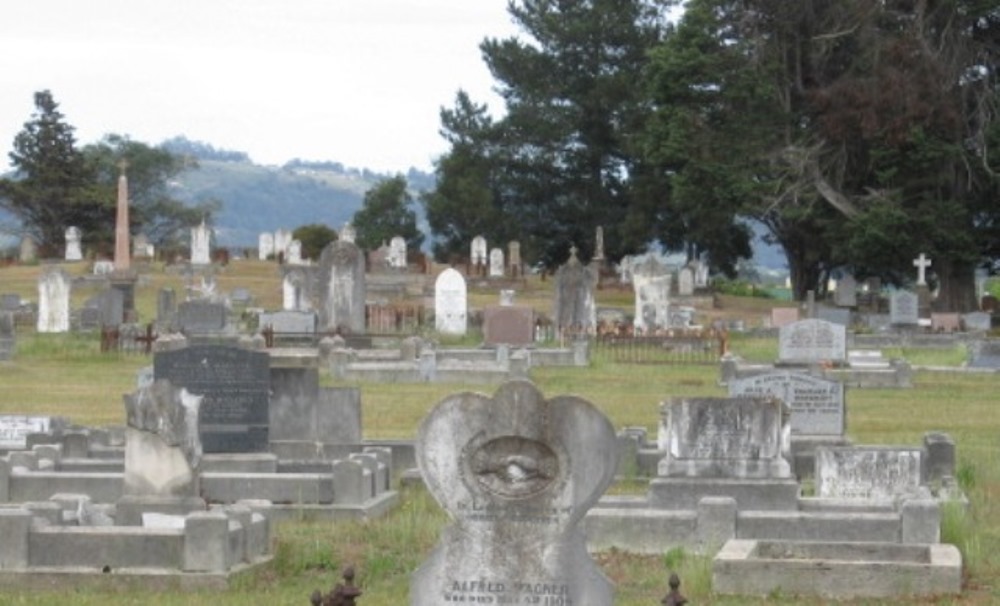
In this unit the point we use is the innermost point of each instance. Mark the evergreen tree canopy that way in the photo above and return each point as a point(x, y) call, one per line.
point(385, 214)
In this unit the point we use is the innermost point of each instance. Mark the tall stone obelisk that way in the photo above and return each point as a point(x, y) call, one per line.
point(122, 241)
point(123, 279)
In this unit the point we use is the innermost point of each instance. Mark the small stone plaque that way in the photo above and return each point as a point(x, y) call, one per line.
point(868, 472)
point(290, 322)
point(946, 322)
point(977, 321)
point(817, 405)
point(812, 342)
point(236, 385)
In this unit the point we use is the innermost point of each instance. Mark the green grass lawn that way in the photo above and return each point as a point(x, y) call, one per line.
point(65, 375)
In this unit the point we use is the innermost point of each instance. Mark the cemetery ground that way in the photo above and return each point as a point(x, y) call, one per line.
point(66, 375)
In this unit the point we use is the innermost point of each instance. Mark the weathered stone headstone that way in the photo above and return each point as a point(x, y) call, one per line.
point(28, 250)
point(15, 429)
point(478, 252)
point(142, 248)
point(201, 317)
point(8, 335)
point(516, 473)
point(836, 315)
point(10, 302)
point(812, 342)
point(514, 258)
point(348, 233)
point(700, 274)
point(73, 250)
point(685, 282)
point(110, 305)
point(868, 472)
point(977, 321)
point(282, 239)
point(53, 301)
point(290, 322)
point(946, 322)
point(342, 288)
point(508, 325)
point(724, 437)
point(201, 245)
point(166, 308)
point(651, 281)
point(294, 253)
point(496, 263)
point(236, 387)
point(816, 404)
point(397, 253)
point(296, 289)
point(265, 246)
point(846, 294)
point(904, 308)
point(783, 316)
point(574, 307)
point(985, 354)
point(450, 303)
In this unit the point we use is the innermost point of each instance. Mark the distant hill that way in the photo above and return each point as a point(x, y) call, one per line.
point(258, 198)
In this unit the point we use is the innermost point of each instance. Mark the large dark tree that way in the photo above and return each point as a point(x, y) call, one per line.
point(564, 159)
point(386, 213)
point(54, 185)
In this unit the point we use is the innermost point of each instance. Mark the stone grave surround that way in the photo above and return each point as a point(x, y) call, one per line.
point(516, 473)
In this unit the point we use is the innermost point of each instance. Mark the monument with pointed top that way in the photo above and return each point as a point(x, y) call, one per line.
point(123, 259)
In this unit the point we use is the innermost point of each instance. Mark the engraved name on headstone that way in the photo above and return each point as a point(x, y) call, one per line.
point(817, 405)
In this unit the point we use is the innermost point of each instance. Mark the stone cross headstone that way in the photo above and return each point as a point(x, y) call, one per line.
point(651, 281)
point(846, 294)
point(28, 250)
point(516, 474)
point(922, 263)
point(574, 308)
point(478, 254)
point(904, 308)
point(514, 258)
point(201, 238)
point(685, 282)
point(348, 233)
point(816, 405)
point(123, 242)
point(397, 253)
point(236, 387)
point(496, 263)
point(342, 288)
point(450, 303)
point(812, 342)
point(265, 246)
point(293, 255)
point(73, 250)
point(53, 301)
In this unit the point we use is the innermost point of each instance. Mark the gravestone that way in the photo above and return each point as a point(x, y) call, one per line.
point(166, 309)
point(812, 342)
point(783, 316)
point(450, 303)
point(290, 322)
point(496, 263)
point(201, 317)
point(110, 307)
point(985, 354)
point(516, 473)
point(8, 335)
point(397, 253)
point(946, 322)
point(977, 321)
point(103, 267)
point(508, 325)
point(478, 252)
point(514, 258)
point(10, 302)
point(700, 274)
point(73, 250)
point(53, 301)
point(265, 246)
point(201, 245)
point(651, 282)
point(28, 250)
point(141, 247)
point(846, 294)
point(835, 315)
point(574, 308)
point(342, 288)
point(294, 253)
point(869, 472)
point(15, 429)
point(296, 289)
point(816, 405)
point(282, 240)
point(235, 384)
point(685, 282)
point(904, 308)
point(348, 233)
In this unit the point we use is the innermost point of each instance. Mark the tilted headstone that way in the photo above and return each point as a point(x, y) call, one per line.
point(574, 307)
point(265, 246)
point(450, 303)
point(724, 438)
point(651, 281)
point(162, 446)
point(496, 263)
point(73, 250)
point(478, 253)
point(816, 405)
point(516, 473)
point(812, 342)
point(342, 288)
point(868, 472)
point(53, 301)
point(236, 387)
point(201, 245)
point(904, 308)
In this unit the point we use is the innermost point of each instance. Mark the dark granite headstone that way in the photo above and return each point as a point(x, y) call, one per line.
point(236, 384)
point(201, 317)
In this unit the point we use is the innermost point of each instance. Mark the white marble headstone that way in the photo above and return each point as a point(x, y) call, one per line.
point(478, 253)
point(496, 263)
point(201, 238)
point(53, 301)
point(450, 303)
point(397, 253)
point(265, 246)
point(73, 250)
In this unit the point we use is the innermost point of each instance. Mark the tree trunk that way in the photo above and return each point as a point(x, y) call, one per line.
point(956, 286)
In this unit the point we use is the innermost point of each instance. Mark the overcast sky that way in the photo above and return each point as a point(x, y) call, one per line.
point(354, 81)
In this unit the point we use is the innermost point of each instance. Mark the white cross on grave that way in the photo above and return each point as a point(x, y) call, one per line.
point(921, 263)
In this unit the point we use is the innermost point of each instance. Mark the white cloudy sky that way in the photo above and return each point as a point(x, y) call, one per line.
point(354, 81)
